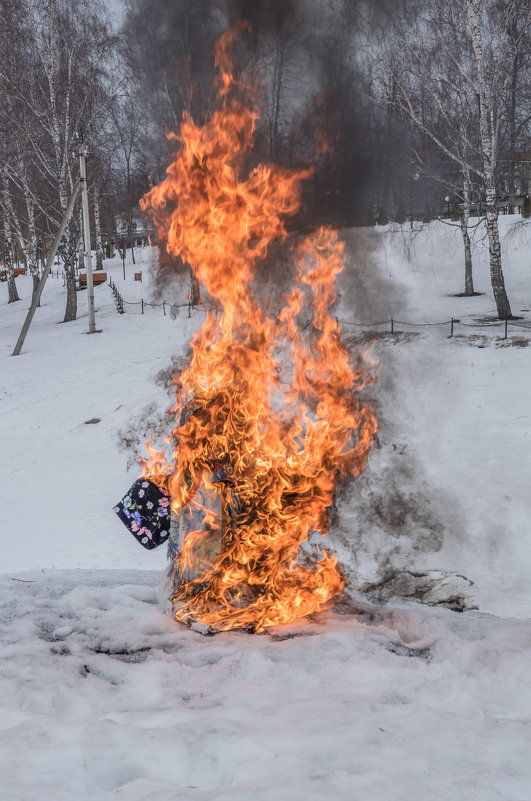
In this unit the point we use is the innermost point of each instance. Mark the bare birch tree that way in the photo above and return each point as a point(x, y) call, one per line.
point(516, 117)
point(15, 150)
point(62, 89)
point(489, 82)
point(451, 76)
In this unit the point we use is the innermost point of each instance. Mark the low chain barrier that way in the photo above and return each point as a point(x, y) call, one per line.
point(141, 305)
point(117, 297)
point(392, 323)
point(452, 322)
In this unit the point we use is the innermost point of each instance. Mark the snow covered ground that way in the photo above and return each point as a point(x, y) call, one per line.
point(103, 697)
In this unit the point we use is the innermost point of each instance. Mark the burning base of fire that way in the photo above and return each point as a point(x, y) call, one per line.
point(274, 406)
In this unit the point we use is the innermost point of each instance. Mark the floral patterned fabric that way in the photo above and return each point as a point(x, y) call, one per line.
point(145, 511)
point(222, 472)
point(195, 533)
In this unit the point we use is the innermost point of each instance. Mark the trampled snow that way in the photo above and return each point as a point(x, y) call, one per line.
point(102, 696)
point(105, 697)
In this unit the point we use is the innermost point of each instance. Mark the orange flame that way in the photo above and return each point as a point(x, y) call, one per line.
point(275, 402)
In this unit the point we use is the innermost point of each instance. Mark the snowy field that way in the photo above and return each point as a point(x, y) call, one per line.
point(103, 697)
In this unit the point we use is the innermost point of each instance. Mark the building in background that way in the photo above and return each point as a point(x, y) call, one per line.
point(133, 227)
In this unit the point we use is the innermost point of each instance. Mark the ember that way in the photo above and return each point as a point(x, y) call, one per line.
point(274, 407)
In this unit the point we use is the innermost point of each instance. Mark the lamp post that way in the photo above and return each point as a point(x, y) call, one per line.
point(415, 178)
point(83, 152)
point(447, 201)
point(123, 255)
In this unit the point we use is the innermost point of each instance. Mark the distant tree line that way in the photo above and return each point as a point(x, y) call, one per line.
point(398, 104)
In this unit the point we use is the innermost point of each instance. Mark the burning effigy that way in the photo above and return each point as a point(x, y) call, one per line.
point(268, 416)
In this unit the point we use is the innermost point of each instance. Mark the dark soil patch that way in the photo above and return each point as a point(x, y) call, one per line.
point(494, 319)
point(400, 649)
point(512, 342)
point(474, 340)
point(484, 341)
point(367, 337)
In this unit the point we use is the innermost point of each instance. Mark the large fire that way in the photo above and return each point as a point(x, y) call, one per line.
point(275, 402)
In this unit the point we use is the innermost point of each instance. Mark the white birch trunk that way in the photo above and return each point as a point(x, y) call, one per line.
point(33, 264)
point(489, 146)
point(469, 281)
point(97, 228)
point(30, 252)
point(12, 214)
point(8, 260)
point(48, 56)
point(80, 244)
point(69, 255)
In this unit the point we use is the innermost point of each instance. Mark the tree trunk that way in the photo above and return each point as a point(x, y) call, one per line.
point(71, 241)
point(469, 283)
point(513, 93)
point(36, 281)
point(8, 258)
point(81, 245)
point(31, 257)
point(131, 240)
point(278, 79)
point(69, 258)
point(33, 261)
point(496, 274)
point(8, 255)
point(8, 263)
point(12, 292)
point(489, 145)
point(129, 209)
point(71, 293)
point(97, 230)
